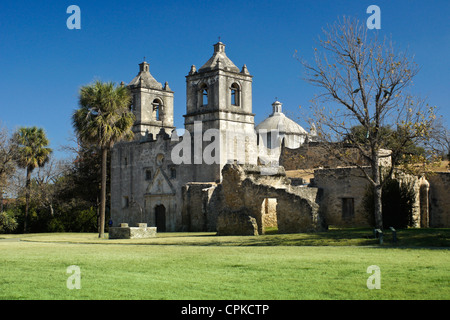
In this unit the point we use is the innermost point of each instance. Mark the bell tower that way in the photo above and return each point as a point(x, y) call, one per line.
point(152, 104)
point(219, 97)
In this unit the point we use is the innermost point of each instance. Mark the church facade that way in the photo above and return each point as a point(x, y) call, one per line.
point(149, 174)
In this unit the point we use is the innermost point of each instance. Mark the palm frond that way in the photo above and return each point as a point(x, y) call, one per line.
point(103, 117)
point(32, 146)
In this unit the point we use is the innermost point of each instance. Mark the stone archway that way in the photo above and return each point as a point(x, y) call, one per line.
point(160, 218)
point(269, 212)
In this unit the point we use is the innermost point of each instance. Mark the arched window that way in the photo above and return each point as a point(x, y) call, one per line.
point(203, 98)
point(157, 108)
point(234, 94)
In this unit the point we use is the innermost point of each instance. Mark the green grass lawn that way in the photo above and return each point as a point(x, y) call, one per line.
point(190, 266)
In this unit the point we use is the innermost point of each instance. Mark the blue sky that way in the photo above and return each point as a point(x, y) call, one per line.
point(43, 63)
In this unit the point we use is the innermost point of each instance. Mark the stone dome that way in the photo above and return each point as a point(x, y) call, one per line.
point(283, 129)
point(278, 121)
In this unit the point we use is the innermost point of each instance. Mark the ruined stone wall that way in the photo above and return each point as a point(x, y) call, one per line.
point(269, 212)
point(201, 205)
point(439, 199)
point(342, 186)
point(238, 222)
point(297, 209)
point(298, 214)
point(317, 155)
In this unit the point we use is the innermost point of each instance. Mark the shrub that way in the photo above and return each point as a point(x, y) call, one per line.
point(7, 221)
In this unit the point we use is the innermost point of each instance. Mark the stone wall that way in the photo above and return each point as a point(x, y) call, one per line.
point(297, 208)
point(201, 205)
point(248, 197)
point(318, 155)
point(238, 222)
point(344, 190)
point(338, 184)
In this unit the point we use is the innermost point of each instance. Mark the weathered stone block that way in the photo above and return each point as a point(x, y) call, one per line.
point(132, 232)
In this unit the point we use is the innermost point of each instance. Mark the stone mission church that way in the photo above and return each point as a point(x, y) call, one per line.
point(156, 181)
point(227, 175)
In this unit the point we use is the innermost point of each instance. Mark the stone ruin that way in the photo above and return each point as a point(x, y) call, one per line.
point(253, 201)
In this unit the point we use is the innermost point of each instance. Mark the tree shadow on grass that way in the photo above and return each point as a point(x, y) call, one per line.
point(405, 238)
point(362, 237)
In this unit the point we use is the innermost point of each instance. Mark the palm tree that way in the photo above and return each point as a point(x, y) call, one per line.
point(104, 118)
point(32, 152)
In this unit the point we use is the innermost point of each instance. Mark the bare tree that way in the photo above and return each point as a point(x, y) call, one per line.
point(8, 151)
point(45, 182)
point(440, 139)
point(363, 82)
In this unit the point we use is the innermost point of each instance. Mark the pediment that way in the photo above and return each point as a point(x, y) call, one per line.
point(160, 184)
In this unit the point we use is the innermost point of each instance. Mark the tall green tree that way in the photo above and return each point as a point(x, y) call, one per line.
point(402, 150)
point(104, 118)
point(32, 152)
